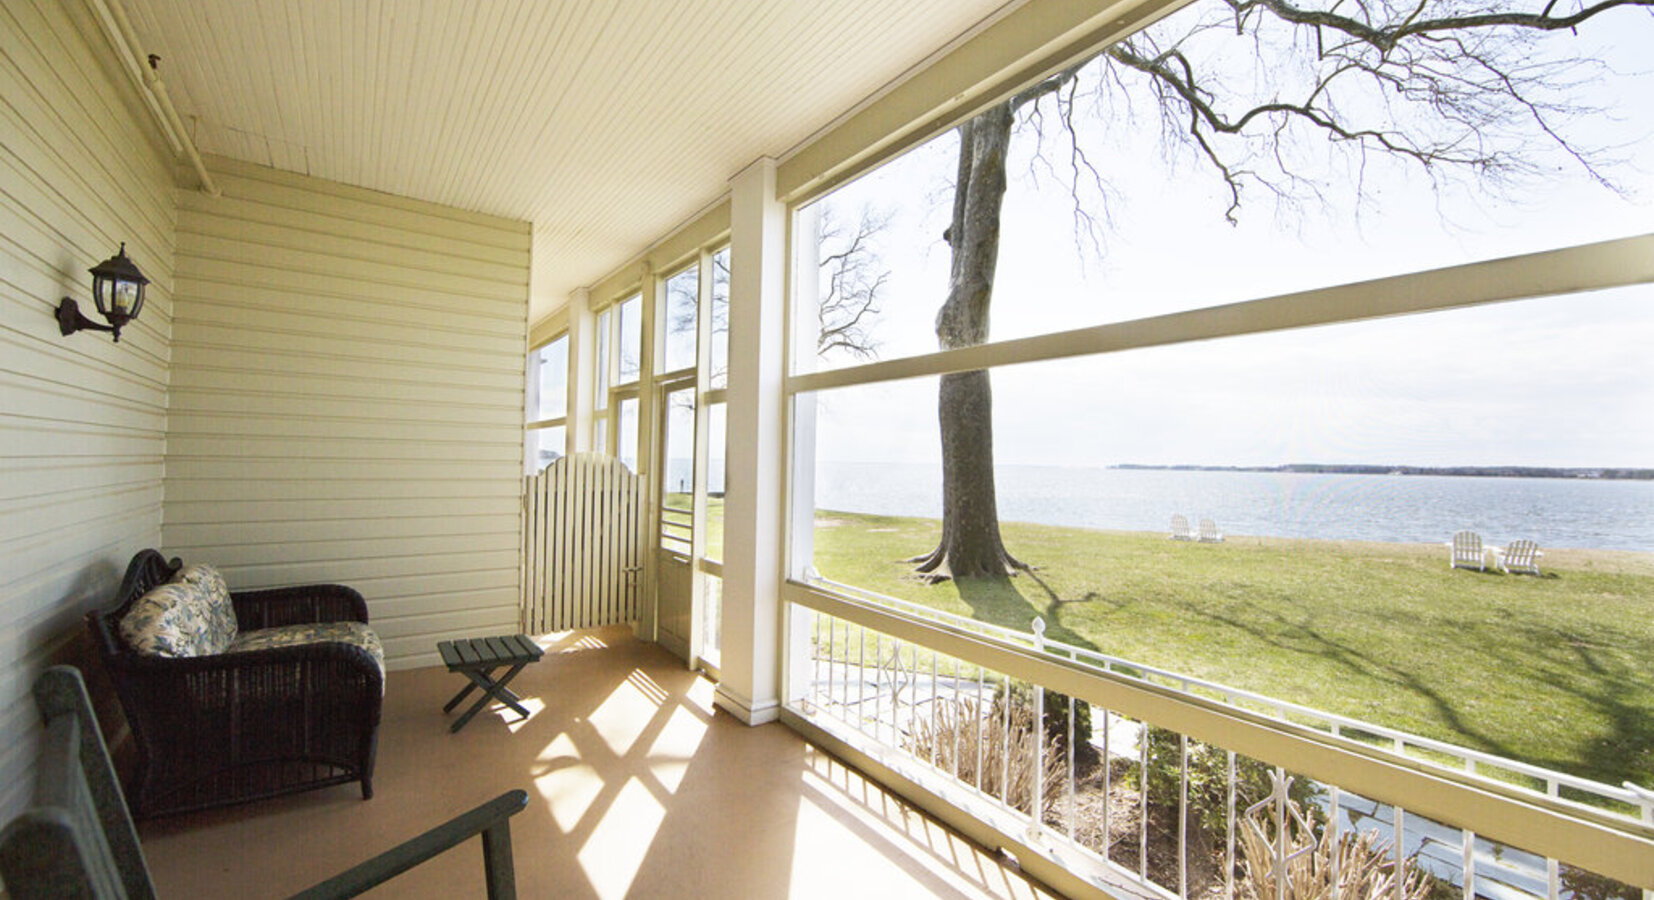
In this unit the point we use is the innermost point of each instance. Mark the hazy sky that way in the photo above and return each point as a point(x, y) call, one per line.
point(1561, 381)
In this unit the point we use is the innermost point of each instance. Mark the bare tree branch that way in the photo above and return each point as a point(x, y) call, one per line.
point(852, 277)
point(1444, 84)
point(1386, 38)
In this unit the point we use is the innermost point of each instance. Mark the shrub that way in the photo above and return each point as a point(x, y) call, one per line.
point(1209, 782)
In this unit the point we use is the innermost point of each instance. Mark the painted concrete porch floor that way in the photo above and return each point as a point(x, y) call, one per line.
point(637, 788)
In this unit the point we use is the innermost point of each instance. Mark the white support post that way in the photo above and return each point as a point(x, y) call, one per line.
point(700, 465)
point(582, 380)
point(648, 449)
point(753, 503)
point(804, 325)
point(647, 424)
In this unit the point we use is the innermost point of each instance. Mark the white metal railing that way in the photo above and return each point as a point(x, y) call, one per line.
point(1629, 800)
point(962, 701)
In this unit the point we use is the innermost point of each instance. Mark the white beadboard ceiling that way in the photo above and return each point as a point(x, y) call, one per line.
point(605, 123)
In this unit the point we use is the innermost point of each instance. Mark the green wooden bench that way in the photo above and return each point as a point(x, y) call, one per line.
point(76, 839)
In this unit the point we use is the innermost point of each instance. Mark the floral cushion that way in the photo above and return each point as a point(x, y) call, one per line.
point(190, 615)
point(312, 633)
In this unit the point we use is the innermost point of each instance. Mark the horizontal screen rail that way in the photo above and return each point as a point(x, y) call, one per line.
point(1590, 267)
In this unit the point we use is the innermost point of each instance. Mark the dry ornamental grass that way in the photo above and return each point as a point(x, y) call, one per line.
point(1322, 867)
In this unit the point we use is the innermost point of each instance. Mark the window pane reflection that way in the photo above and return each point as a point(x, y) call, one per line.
point(679, 308)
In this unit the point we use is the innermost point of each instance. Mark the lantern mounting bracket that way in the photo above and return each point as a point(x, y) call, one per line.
point(70, 319)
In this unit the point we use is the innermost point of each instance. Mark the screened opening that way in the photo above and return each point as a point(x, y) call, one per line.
point(1138, 439)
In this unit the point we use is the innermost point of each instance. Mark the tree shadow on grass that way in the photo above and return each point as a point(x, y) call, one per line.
point(1609, 684)
point(999, 601)
point(1298, 637)
point(1558, 658)
point(1590, 671)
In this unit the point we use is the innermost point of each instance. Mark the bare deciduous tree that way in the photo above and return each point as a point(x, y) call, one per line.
point(1459, 90)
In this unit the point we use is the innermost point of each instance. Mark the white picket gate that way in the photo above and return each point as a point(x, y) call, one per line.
point(582, 544)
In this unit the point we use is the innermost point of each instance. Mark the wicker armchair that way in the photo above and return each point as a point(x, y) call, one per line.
point(232, 727)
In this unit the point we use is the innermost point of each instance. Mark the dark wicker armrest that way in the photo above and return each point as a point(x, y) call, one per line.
point(301, 605)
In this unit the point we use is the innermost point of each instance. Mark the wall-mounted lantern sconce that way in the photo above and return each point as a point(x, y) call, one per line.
point(117, 288)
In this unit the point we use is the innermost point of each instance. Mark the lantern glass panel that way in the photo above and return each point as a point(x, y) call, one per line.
point(126, 297)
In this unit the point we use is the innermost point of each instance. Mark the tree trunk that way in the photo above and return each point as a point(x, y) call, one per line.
point(971, 545)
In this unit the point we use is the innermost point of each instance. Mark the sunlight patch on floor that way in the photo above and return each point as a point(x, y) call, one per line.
point(568, 785)
point(947, 863)
point(702, 692)
point(627, 712)
point(675, 748)
point(514, 720)
point(569, 641)
point(695, 805)
point(621, 839)
point(648, 686)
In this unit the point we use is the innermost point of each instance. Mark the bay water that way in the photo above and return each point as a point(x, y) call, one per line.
point(1556, 512)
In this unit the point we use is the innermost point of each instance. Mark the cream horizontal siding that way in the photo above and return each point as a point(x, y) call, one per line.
point(320, 537)
point(347, 400)
point(276, 449)
point(82, 419)
point(326, 285)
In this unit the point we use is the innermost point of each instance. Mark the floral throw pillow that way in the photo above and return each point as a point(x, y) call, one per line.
point(215, 594)
point(166, 621)
point(188, 616)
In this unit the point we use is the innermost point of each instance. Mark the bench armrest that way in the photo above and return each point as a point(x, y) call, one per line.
point(492, 820)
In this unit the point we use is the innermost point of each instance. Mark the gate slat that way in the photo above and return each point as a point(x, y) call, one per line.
point(608, 536)
point(560, 555)
point(586, 560)
point(546, 538)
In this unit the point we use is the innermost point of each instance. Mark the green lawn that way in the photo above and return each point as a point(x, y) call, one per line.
point(1557, 671)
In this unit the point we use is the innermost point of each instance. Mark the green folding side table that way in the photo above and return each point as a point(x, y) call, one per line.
point(478, 659)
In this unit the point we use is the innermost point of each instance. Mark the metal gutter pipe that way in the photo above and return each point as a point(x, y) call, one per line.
point(149, 78)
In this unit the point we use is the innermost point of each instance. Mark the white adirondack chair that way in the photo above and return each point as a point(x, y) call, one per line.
point(1209, 533)
point(1521, 557)
point(1467, 551)
point(1181, 530)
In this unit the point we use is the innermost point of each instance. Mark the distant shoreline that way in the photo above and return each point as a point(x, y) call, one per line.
point(1606, 474)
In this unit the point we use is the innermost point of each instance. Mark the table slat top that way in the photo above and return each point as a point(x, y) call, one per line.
point(528, 646)
point(450, 655)
point(475, 653)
